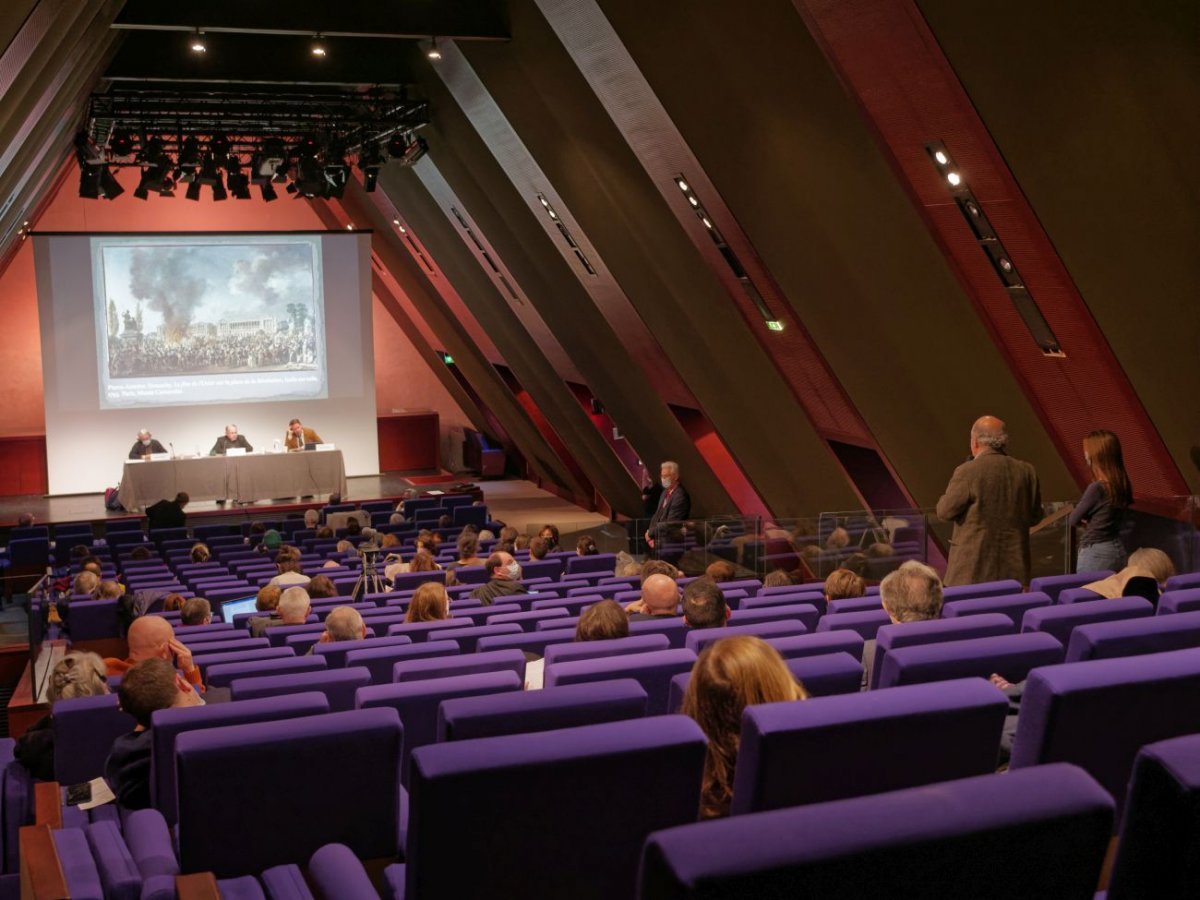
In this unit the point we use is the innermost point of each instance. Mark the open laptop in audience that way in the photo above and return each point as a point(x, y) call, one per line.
point(231, 608)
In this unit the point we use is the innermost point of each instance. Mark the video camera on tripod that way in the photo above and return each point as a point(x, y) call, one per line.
point(369, 580)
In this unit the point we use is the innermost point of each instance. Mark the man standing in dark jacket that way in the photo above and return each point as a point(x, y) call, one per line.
point(673, 506)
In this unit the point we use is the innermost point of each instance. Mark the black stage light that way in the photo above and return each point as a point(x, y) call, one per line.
point(370, 161)
point(397, 144)
point(110, 188)
point(122, 142)
point(414, 152)
point(189, 155)
point(218, 146)
point(193, 190)
point(336, 177)
point(89, 181)
point(268, 192)
point(310, 178)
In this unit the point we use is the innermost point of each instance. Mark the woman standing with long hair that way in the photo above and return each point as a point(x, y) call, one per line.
point(1102, 506)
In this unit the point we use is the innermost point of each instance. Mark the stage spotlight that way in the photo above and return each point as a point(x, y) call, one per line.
point(265, 166)
point(110, 188)
point(433, 52)
point(268, 192)
point(397, 144)
point(318, 47)
point(89, 181)
point(155, 177)
point(370, 160)
point(310, 178)
point(237, 180)
point(336, 177)
point(414, 152)
point(193, 190)
point(219, 146)
point(198, 44)
point(122, 142)
point(189, 154)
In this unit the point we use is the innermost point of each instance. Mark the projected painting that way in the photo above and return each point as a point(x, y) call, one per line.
point(207, 320)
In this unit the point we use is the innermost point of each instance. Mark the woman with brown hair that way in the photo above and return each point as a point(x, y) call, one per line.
point(602, 621)
point(423, 561)
point(731, 674)
point(1102, 506)
point(430, 603)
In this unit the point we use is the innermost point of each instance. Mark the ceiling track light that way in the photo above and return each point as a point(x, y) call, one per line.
point(433, 53)
point(567, 236)
point(318, 48)
point(993, 248)
point(199, 45)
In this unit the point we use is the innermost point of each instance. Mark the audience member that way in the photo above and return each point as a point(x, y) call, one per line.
point(602, 621)
point(272, 541)
point(322, 587)
point(704, 604)
point(389, 541)
point(147, 687)
point(353, 527)
point(423, 561)
point(586, 546)
point(293, 608)
point(92, 564)
point(468, 550)
point(108, 590)
point(288, 564)
point(430, 603)
point(196, 611)
point(167, 513)
point(521, 542)
point(660, 597)
point(673, 507)
point(993, 500)
point(343, 546)
point(838, 539)
point(721, 570)
point(445, 521)
point(173, 602)
point(139, 554)
point(538, 548)
point(549, 533)
point(25, 520)
point(324, 533)
point(658, 567)
point(85, 583)
point(912, 593)
point(77, 674)
point(344, 623)
point(1103, 505)
point(508, 533)
point(152, 637)
point(312, 519)
point(731, 674)
point(778, 578)
point(267, 599)
point(504, 579)
point(1145, 562)
point(200, 553)
point(842, 584)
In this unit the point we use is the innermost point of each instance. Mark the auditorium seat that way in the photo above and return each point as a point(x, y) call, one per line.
point(831, 748)
point(573, 605)
point(1160, 831)
point(853, 604)
point(1061, 620)
point(790, 596)
point(522, 712)
point(1076, 595)
point(459, 664)
point(379, 660)
point(907, 634)
point(585, 848)
point(1012, 605)
point(671, 626)
point(1179, 601)
point(417, 703)
point(421, 631)
point(301, 644)
point(468, 638)
point(1053, 585)
point(1134, 637)
point(338, 685)
point(1183, 581)
point(284, 813)
point(1011, 655)
point(91, 620)
point(207, 660)
point(1098, 714)
point(534, 642)
point(796, 646)
point(865, 624)
point(699, 638)
point(597, 562)
point(983, 589)
point(526, 620)
point(168, 724)
point(84, 731)
point(1038, 833)
point(652, 670)
point(224, 674)
point(576, 650)
point(334, 653)
point(807, 613)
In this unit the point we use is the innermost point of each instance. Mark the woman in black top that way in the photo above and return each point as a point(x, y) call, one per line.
point(1102, 506)
point(78, 674)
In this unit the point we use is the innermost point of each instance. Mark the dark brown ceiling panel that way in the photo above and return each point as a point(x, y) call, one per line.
point(889, 60)
point(13, 15)
point(1096, 109)
point(621, 213)
point(789, 152)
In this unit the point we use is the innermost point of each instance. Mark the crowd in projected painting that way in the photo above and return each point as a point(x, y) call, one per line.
point(210, 309)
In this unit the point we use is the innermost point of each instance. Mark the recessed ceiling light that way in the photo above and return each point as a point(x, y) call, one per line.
point(954, 178)
point(433, 52)
point(941, 157)
point(318, 47)
point(198, 43)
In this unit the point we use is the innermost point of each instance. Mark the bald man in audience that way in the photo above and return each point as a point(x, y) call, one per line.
point(152, 637)
point(660, 598)
point(293, 609)
point(993, 500)
point(504, 579)
point(344, 623)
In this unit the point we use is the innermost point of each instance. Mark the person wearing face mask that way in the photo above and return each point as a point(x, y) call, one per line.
point(145, 445)
point(504, 579)
point(673, 506)
point(1102, 506)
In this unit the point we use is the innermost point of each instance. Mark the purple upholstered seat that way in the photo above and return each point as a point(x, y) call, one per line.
point(468, 638)
point(84, 731)
point(635, 643)
point(1183, 581)
point(1053, 585)
point(586, 846)
point(806, 613)
point(1038, 833)
point(1098, 714)
point(230, 643)
point(422, 631)
point(78, 866)
point(379, 661)
point(225, 674)
point(853, 604)
point(1061, 620)
point(334, 652)
point(699, 638)
point(89, 620)
point(278, 636)
point(796, 646)
point(460, 664)
point(984, 589)
point(207, 660)
point(597, 562)
point(671, 626)
point(1134, 637)
point(417, 702)
point(652, 670)
point(284, 810)
point(1011, 655)
point(908, 634)
point(170, 723)
point(530, 641)
point(942, 731)
point(1012, 605)
point(338, 685)
point(791, 595)
point(527, 620)
point(520, 712)
point(1180, 601)
point(865, 624)
point(119, 875)
point(336, 872)
point(1076, 595)
point(1156, 856)
point(194, 635)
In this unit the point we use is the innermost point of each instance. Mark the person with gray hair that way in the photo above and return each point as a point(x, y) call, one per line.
point(993, 500)
point(293, 609)
point(344, 623)
point(145, 444)
point(912, 593)
point(196, 611)
point(77, 674)
point(673, 506)
point(312, 519)
point(230, 440)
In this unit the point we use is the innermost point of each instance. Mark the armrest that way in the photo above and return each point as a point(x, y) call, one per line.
point(47, 804)
point(42, 876)
point(200, 886)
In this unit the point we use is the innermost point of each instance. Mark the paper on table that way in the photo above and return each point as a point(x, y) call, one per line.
point(101, 794)
point(435, 493)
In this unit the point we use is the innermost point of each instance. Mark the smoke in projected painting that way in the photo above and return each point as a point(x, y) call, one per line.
point(204, 321)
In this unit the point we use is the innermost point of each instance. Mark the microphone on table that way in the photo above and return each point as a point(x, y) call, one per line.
point(172, 446)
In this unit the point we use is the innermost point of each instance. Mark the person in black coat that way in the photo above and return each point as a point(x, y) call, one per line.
point(673, 506)
point(145, 445)
point(167, 513)
point(230, 439)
